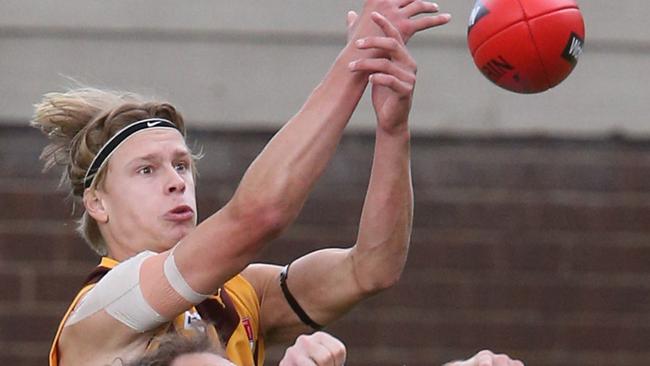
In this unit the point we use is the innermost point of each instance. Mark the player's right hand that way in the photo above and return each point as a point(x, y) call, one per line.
point(318, 349)
point(408, 16)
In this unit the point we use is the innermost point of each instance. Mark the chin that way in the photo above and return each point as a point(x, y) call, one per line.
point(170, 236)
point(180, 232)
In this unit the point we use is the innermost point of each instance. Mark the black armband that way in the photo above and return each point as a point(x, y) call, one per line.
point(293, 303)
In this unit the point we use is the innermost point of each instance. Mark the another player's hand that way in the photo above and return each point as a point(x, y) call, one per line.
point(487, 358)
point(318, 349)
point(408, 16)
point(393, 77)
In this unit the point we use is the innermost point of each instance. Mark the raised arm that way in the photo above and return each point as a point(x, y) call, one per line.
point(276, 185)
point(326, 283)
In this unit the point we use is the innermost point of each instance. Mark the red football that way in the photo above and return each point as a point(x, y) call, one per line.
point(526, 46)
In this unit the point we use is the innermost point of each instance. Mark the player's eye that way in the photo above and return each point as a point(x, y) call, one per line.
point(181, 166)
point(145, 170)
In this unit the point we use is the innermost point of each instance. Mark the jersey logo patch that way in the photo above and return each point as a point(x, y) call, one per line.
point(191, 316)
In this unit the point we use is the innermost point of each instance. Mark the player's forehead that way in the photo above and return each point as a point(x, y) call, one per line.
point(155, 143)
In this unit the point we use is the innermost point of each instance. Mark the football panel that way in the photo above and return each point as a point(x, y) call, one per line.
point(535, 8)
point(489, 17)
point(510, 60)
point(559, 37)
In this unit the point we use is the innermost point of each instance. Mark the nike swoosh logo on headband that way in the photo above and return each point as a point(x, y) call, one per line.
point(153, 123)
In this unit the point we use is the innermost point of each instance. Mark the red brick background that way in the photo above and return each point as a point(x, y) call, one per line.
point(537, 247)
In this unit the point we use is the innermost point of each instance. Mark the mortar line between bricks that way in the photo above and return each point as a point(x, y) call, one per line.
point(28, 284)
point(80, 268)
point(26, 349)
point(423, 356)
point(503, 155)
point(567, 242)
point(37, 226)
point(528, 278)
point(565, 197)
point(503, 315)
point(48, 308)
point(29, 185)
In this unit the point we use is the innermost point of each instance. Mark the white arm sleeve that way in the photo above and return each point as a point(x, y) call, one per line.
point(120, 295)
point(178, 283)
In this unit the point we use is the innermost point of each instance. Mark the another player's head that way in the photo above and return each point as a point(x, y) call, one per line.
point(177, 350)
point(200, 359)
point(126, 159)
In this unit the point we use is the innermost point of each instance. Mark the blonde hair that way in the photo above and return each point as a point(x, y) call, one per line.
point(78, 123)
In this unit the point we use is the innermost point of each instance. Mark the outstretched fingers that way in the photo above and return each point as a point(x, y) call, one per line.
point(397, 70)
point(387, 27)
point(418, 7)
point(404, 3)
point(420, 24)
point(402, 88)
point(392, 45)
point(413, 9)
point(398, 77)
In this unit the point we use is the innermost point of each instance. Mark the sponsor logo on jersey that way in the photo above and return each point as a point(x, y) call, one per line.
point(246, 322)
point(191, 316)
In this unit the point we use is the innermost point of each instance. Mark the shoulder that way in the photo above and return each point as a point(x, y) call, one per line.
point(243, 293)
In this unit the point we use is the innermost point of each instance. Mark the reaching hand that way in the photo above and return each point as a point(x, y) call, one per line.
point(393, 77)
point(405, 15)
point(487, 358)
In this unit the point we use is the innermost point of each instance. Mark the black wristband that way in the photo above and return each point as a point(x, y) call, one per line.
point(293, 303)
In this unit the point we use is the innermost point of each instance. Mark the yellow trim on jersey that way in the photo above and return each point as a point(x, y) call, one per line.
point(54, 352)
point(242, 344)
point(240, 349)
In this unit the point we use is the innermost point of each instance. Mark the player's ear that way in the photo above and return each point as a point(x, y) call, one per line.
point(94, 205)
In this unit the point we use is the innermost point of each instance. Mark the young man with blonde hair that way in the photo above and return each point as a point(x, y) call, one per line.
point(127, 160)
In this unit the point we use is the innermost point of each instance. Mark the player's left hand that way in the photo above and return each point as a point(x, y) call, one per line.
point(393, 78)
point(487, 358)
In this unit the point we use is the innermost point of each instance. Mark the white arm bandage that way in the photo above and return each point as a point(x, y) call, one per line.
point(178, 283)
point(120, 295)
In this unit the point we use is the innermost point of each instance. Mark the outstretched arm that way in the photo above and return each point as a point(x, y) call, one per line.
point(276, 185)
point(328, 282)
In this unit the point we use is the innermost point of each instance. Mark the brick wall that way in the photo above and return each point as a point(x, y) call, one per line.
point(537, 247)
